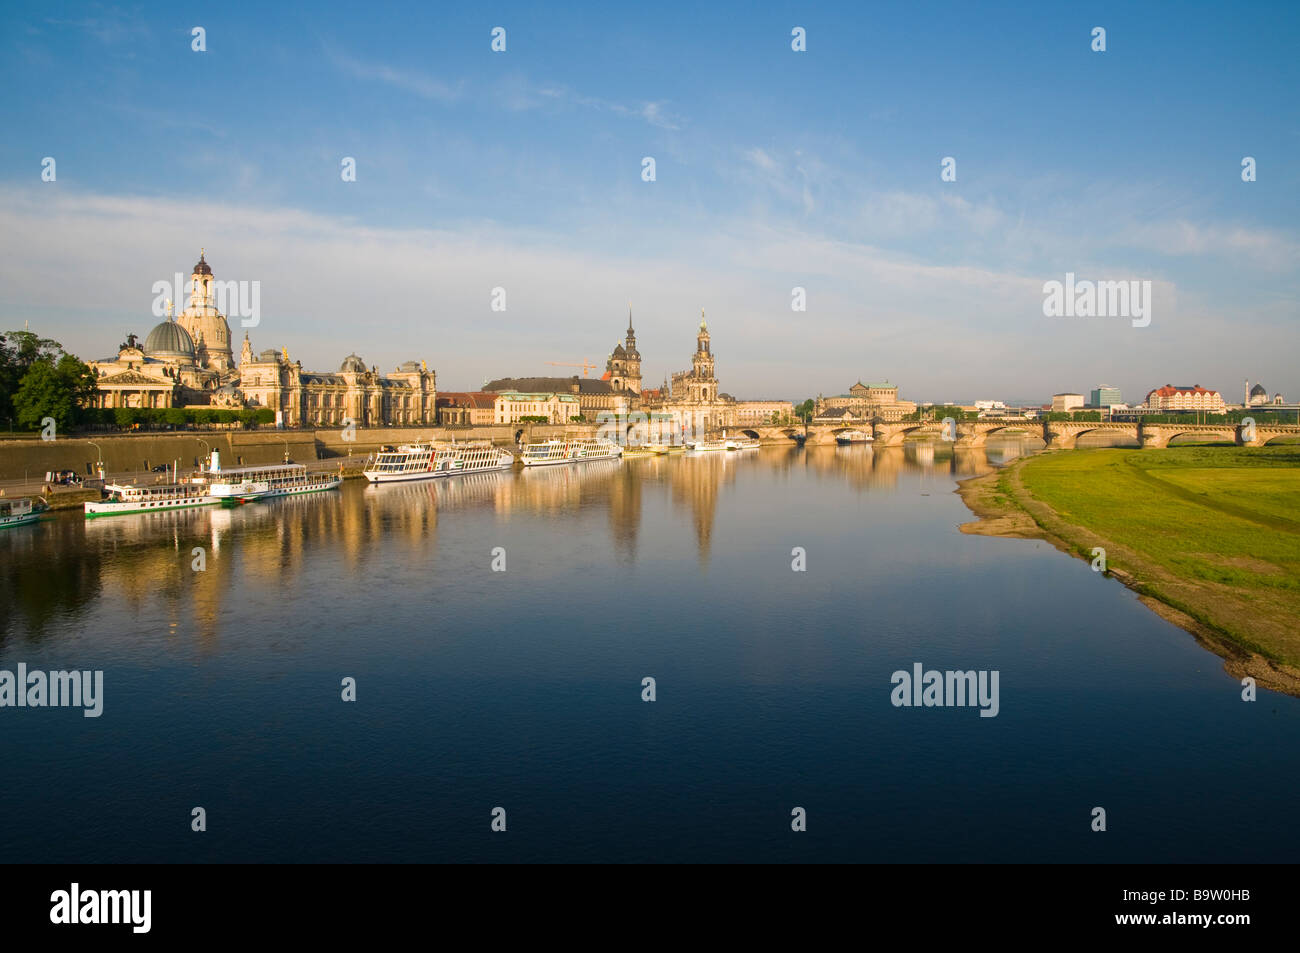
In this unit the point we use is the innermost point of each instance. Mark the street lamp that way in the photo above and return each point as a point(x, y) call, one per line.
point(206, 447)
point(99, 464)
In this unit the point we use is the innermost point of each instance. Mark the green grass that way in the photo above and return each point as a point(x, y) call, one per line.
point(1206, 516)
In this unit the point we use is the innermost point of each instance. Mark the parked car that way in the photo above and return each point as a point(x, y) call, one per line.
point(161, 468)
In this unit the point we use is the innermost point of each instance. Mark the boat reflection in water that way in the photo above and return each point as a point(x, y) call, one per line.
point(272, 546)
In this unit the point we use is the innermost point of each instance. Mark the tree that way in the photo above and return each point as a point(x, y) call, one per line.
point(19, 350)
point(60, 390)
point(805, 409)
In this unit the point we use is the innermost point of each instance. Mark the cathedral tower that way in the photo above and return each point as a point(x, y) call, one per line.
point(623, 369)
point(632, 371)
point(702, 363)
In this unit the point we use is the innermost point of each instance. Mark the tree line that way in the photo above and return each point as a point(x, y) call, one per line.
point(39, 379)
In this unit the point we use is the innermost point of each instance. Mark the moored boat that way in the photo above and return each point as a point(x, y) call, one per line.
point(20, 511)
point(571, 450)
point(245, 484)
point(123, 498)
point(594, 448)
point(853, 436)
point(415, 462)
point(546, 453)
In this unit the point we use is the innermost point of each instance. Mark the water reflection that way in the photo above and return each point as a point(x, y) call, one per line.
point(61, 568)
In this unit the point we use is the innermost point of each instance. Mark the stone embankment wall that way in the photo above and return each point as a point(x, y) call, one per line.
point(30, 457)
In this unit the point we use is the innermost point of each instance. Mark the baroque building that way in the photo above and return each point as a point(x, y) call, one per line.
point(187, 361)
point(207, 327)
point(693, 398)
point(353, 393)
point(617, 391)
point(865, 402)
point(623, 369)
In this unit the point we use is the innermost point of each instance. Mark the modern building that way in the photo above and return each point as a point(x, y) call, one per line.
point(1194, 398)
point(1066, 402)
point(1104, 396)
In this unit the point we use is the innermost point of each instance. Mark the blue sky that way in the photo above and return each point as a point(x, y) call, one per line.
point(775, 169)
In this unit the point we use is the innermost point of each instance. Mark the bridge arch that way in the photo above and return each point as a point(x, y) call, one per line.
point(895, 434)
point(1266, 438)
point(1170, 434)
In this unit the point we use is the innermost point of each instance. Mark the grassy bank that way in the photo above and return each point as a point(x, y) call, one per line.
point(1209, 536)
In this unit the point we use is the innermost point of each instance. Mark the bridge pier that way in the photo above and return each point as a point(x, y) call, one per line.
point(1153, 438)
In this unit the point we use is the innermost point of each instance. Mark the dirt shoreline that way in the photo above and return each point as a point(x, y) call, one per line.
point(1004, 507)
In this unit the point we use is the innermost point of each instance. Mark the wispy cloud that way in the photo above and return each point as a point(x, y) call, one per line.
point(409, 81)
point(1263, 247)
point(656, 113)
point(940, 328)
point(112, 27)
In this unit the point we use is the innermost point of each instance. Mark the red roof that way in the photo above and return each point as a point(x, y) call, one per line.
point(480, 399)
point(1169, 390)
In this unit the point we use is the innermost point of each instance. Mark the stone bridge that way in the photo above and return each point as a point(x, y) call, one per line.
point(1057, 434)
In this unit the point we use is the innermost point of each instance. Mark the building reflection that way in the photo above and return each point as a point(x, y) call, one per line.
point(66, 567)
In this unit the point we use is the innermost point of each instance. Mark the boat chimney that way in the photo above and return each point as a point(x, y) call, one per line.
point(215, 465)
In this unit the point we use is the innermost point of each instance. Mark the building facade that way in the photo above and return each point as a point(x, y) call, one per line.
point(623, 369)
point(1064, 403)
point(1105, 396)
point(353, 394)
point(207, 327)
point(466, 408)
point(186, 361)
point(864, 402)
point(161, 371)
point(1194, 398)
point(693, 398)
point(754, 412)
point(513, 406)
point(594, 396)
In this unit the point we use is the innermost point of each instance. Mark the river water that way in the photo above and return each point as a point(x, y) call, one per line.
point(523, 688)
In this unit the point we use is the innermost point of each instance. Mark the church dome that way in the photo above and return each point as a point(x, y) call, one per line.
point(170, 340)
point(352, 364)
point(202, 267)
point(1258, 391)
point(618, 351)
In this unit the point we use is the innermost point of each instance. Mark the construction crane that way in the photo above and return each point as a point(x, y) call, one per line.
point(584, 365)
